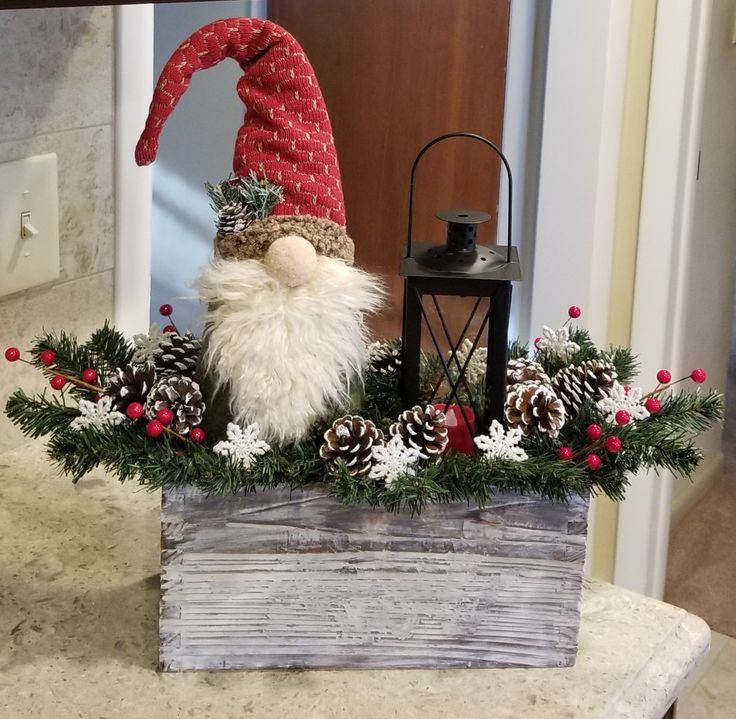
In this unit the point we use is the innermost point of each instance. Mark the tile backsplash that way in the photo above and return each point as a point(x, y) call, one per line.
point(56, 95)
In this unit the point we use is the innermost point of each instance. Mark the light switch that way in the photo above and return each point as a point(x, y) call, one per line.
point(29, 223)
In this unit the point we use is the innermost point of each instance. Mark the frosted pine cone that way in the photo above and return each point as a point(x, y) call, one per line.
point(129, 384)
point(525, 370)
point(534, 408)
point(384, 358)
point(177, 354)
point(590, 380)
point(232, 219)
point(352, 438)
point(422, 429)
point(182, 396)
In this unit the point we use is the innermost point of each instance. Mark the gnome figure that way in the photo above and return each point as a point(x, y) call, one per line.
point(285, 333)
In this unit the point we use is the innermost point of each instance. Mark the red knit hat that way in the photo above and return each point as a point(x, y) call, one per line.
point(286, 136)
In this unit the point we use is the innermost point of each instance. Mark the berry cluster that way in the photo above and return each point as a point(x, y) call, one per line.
point(88, 379)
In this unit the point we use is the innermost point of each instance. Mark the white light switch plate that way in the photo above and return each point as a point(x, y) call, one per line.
point(29, 188)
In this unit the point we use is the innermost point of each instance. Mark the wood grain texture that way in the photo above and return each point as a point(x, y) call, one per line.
point(297, 580)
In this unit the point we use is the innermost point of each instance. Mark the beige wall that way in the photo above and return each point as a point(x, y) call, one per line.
point(623, 267)
point(57, 96)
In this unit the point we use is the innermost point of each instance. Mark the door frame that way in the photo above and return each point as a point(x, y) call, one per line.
point(133, 184)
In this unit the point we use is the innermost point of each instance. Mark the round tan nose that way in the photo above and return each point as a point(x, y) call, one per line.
point(292, 260)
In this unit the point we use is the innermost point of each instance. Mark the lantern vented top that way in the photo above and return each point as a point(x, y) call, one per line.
point(460, 254)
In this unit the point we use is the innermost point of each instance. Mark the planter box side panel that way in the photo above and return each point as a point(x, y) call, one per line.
point(298, 581)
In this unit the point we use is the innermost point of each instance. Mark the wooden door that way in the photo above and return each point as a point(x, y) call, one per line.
point(395, 74)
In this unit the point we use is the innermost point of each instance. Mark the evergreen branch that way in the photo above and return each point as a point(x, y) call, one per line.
point(38, 416)
point(109, 350)
point(518, 350)
point(625, 362)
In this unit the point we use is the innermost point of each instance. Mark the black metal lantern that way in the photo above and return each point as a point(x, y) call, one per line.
point(459, 268)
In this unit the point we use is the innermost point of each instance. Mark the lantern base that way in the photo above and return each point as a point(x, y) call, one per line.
point(498, 270)
point(481, 259)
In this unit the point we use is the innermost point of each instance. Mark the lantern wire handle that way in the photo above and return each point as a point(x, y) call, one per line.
point(472, 136)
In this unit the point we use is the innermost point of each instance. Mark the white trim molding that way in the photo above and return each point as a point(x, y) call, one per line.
point(581, 140)
point(586, 62)
point(665, 232)
point(133, 184)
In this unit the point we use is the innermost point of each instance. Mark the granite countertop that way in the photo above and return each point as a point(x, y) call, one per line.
point(79, 603)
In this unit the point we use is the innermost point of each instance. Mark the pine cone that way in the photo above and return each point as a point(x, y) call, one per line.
point(590, 380)
point(177, 354)
point(352, 438)
point(384, 358)
point(182, 396)
point(525, 370)
point(423, 429)
point(131, 384)
point(232, 219)
point(534, 408)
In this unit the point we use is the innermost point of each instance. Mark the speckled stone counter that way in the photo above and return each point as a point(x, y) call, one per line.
point(78, 613)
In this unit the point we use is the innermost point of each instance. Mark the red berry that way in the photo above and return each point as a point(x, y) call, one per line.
point(698, 375)
point(623, 417)
point(593, 461)
point(166, 310)
point(168, 329)
point(613, 444)
point(653, 405)
point(664, 377)
point(154, 428)
point(565, 453)
point(12, 354)
point(135, 410)
point(164, 415)
point(47, 357)
point(574, 312)
point(627, 388)
point(594, 431)
point(536, 341)
point(197, 435)
point(89, 376)
point(58, 382)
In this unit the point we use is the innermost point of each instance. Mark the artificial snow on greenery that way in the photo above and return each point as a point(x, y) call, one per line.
point(242, 445)
point(557, 342)
point(476, 368)
point(96, 414)
point(147, 344)
point(501, 444)
point(393, 460)
point(619, 398)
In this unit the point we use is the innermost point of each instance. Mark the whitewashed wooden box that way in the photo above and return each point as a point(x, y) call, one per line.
point(297, 580)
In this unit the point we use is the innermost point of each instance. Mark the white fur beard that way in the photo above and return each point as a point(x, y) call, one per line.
point(286, 355)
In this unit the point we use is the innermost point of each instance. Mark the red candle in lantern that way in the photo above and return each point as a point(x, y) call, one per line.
point(459, 437)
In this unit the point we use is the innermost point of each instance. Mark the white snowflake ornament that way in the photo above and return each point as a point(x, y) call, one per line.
point(96, 414)
point(619, 398)
point(242, 445)
point(501, 444)
point(393, 460)
point(146, 345)
point(557, 342)
point(476, 369)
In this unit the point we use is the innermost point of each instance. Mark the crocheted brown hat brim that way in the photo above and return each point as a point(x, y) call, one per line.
point(327, 237)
